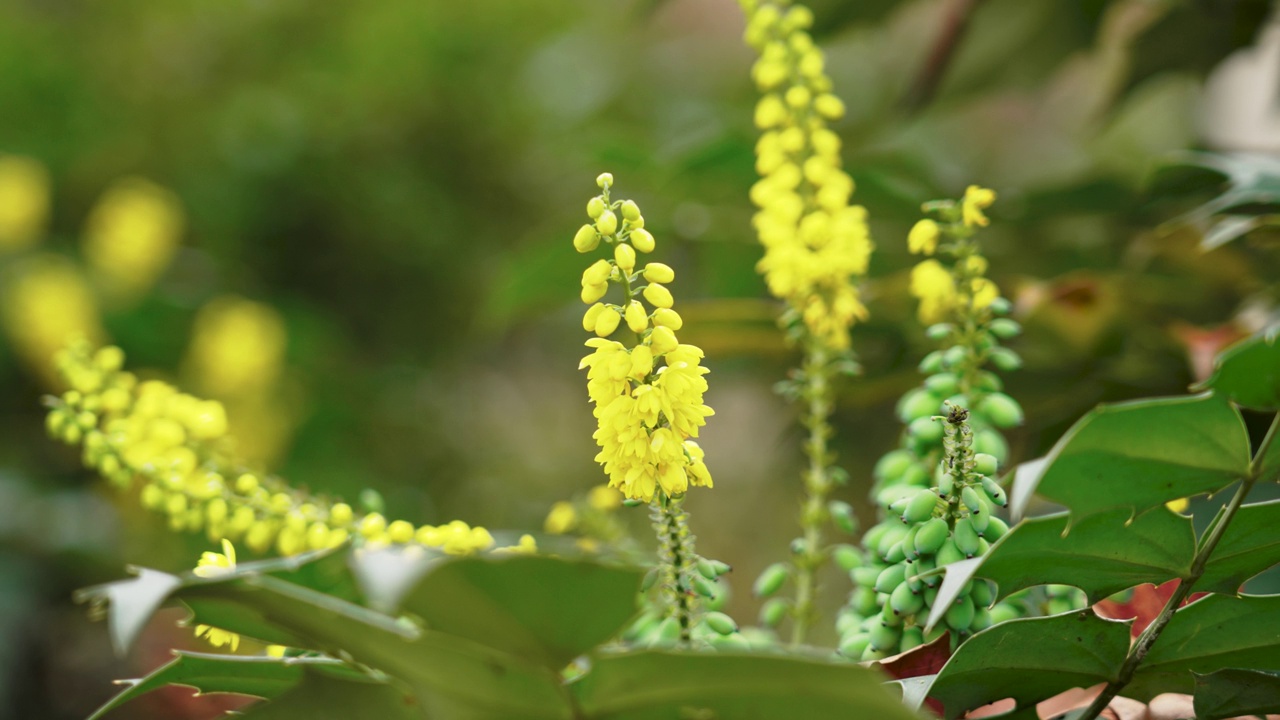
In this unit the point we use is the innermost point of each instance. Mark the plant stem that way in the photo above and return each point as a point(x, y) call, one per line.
point(959, 12)
point(675, 551)
point(1138, 652)
point(817, 414)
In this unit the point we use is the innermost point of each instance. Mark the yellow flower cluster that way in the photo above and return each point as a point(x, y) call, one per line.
point(941, 289)
point(24, 202)
point(178, 447)
point(131, 236)
point(647, 393)
point(816, 243)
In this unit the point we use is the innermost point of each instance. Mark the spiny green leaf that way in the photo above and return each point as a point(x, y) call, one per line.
point(1140, 455)
point(252, 675)
point(1216, 632)
point(325, 695)
point(1234, 693)
point(658, 685)
point(1102, 554)
point(130, 603)
point(1032, 659)
point(546, 610)
point(1248, 546)
point(1248, 373)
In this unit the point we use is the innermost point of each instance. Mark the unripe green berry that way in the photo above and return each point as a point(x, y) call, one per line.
point(842, 515)
point(667, 632)
point(1005, 359)
point(918, 403)
point(920, 507)
point(960, 615)
point(939, 331)
point(883, 638)
point(720, 622)
point(931, 363)
point(985, 464)
point(772, 612)
point(912, 638)
point(852, 646)
point(771, 580)
point(904, 601)
point(995, 492)
point(892, 465)
point(931, 536)
point(1001, 410)
point(996, 529)
point(942, 384)
point(847, 557)
point(890, 578)
point(863, 600)
point(1005, 328)
point(949, 553)
point(965, 537)
point(925, 429)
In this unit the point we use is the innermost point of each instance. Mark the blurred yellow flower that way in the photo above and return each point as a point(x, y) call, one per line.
point(24, 202)
point(933, 285)
point(48, 303)
point(976, 199)
point(237, 347)
point(561, 518)
point(131, 236)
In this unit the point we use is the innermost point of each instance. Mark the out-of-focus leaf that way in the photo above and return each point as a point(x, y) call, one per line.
point(654, 685)
point(546, 610)
point(325, 695)
point(1140, 455)
point(1217, 632)
point(1249, 373)
point(253, 675)
point(1032, 659)
point(130, 603)
point(1235, 693)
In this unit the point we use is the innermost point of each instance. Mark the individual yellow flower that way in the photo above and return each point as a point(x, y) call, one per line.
point(976, 199)
point(604, 498)
point(132, 235)
point(923, 237)
point(933, 285)
point(214, 564)
point(24, 202)
point(526, 546)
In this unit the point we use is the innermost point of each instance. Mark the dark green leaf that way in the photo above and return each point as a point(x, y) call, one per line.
point(1140, 455)
point(324, 695)
point(1266, 463)
point(253, 675)
point(130, 603)
point(1248, 373)
point(1102, 554)
point(546, 610)
point(1032, 659)
point(666, 684)
point(1233, 693)
point(1217, 632)
point(1248, 546)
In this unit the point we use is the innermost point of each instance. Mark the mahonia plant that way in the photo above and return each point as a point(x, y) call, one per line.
point(176, 446)
point(647, 393)
point(816, 248)
point(937, 490)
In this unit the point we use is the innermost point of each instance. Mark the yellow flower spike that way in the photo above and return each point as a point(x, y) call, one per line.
point(976, 199)
point(561, 518)
point(625, 257)
point(586, 239)
point(607, 323)
point(658, 296)
point(923, 238)
point(642, 240)
point(636, 317)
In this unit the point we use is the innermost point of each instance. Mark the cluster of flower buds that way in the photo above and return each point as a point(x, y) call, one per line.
point(177, 448)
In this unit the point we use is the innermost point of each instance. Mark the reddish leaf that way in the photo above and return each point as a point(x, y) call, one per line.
point(1144, 604)
point(926, 659)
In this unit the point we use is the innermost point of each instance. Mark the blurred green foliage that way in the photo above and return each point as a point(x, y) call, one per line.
point(401, 180)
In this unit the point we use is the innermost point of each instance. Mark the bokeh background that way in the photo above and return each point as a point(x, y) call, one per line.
point(351, 222)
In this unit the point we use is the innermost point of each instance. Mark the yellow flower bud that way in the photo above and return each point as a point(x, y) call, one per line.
point(770, 112)
point(595, 207)
point(590, 317)
point(592, 293)
point(607, 323)
point(604, 180)
point(658, 296)
point(560, 519)
point(246, 484)
point(260, 535)
point(829, 106)
point(291, 542)
point(659, 273)
point(798, 96)
point(637, 223)
point(281, 503)
point(666, 317)
point(318, 536)
point(607, 223)
point(923, 237)
point(586, 239)
point(663, 340)
point(630, 211)
point(152, 496)
point(400, 532)
point(636, 317)
point(216, 510)
point(597, 273)
point(340, 514)
point(109, 359)
point(642, 240)
point(625, 257)
point(373, 524)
